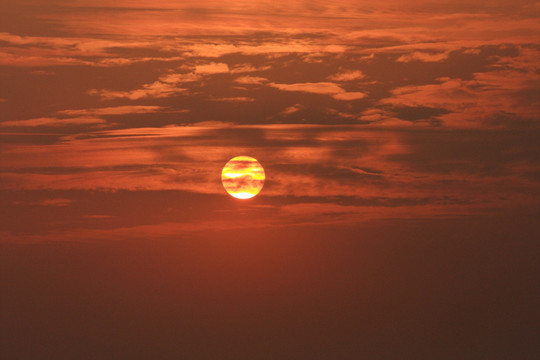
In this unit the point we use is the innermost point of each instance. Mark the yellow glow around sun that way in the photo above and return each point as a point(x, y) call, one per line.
point(243, 177)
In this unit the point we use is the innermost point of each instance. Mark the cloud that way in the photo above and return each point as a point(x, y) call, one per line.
point(233, 27)
point(429, 61)
point(53, 122)
point(484, 100)
point(341, 114)
point(118, 61)
point(292, 109)
point(55, 202)
point(157, 89)
point(324, 88)
point(374, 115)
point(35, 59)
point(250, 80)
point(347, 76)
point(175, 78)
point(74, 50)
point(166, 86)
point(339, 164)
point(234, 99)
point(423, 56)
point(267, 49)
point(32, 57)
point(247, 68)
point(355, 95)
point(212, 68)
point(321, 88)
point(116, 110)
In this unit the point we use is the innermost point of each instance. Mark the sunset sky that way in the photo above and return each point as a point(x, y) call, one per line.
point(399, 215)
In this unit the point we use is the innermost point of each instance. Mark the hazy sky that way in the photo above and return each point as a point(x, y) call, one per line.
point(382, 127)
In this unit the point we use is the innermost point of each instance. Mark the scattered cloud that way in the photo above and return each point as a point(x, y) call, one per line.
point(157, 89)
point(117, 61)
point(292, 109)
point(476, 102)
point(212, 68)
point(175, 78)
point(347, 76)
point(321, 88)
point(374, 115)
point(341, 114)
point(250, 80)
point(355, 95)
point(247, 68)
point(423, 56)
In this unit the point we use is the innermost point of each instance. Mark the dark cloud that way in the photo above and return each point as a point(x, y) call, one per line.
point(328, 172)
point(410, 113)
point(477, 152)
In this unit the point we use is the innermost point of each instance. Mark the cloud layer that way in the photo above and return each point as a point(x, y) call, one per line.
point(356, 110)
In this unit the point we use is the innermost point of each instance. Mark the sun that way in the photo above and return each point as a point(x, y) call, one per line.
point(243, 177)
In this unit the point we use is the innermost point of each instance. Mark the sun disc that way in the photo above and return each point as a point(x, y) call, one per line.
point(243, 177)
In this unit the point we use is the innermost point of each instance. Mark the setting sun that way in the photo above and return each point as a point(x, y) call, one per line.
point(243, 177)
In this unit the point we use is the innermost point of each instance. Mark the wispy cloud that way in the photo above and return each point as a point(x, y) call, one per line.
point(423, 56)
point(292, 109)
point(53, 122)
point(55, 202)
point(157, 89)
point(212, 68)
point(248, 68)
point(234, 99)
point(321, 88)
point(116, 110)
point(250, 80)
point(347, 76)
point(349, 96)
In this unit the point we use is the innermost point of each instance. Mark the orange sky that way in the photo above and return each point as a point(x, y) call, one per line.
point(374, 103)
point(116, 118)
